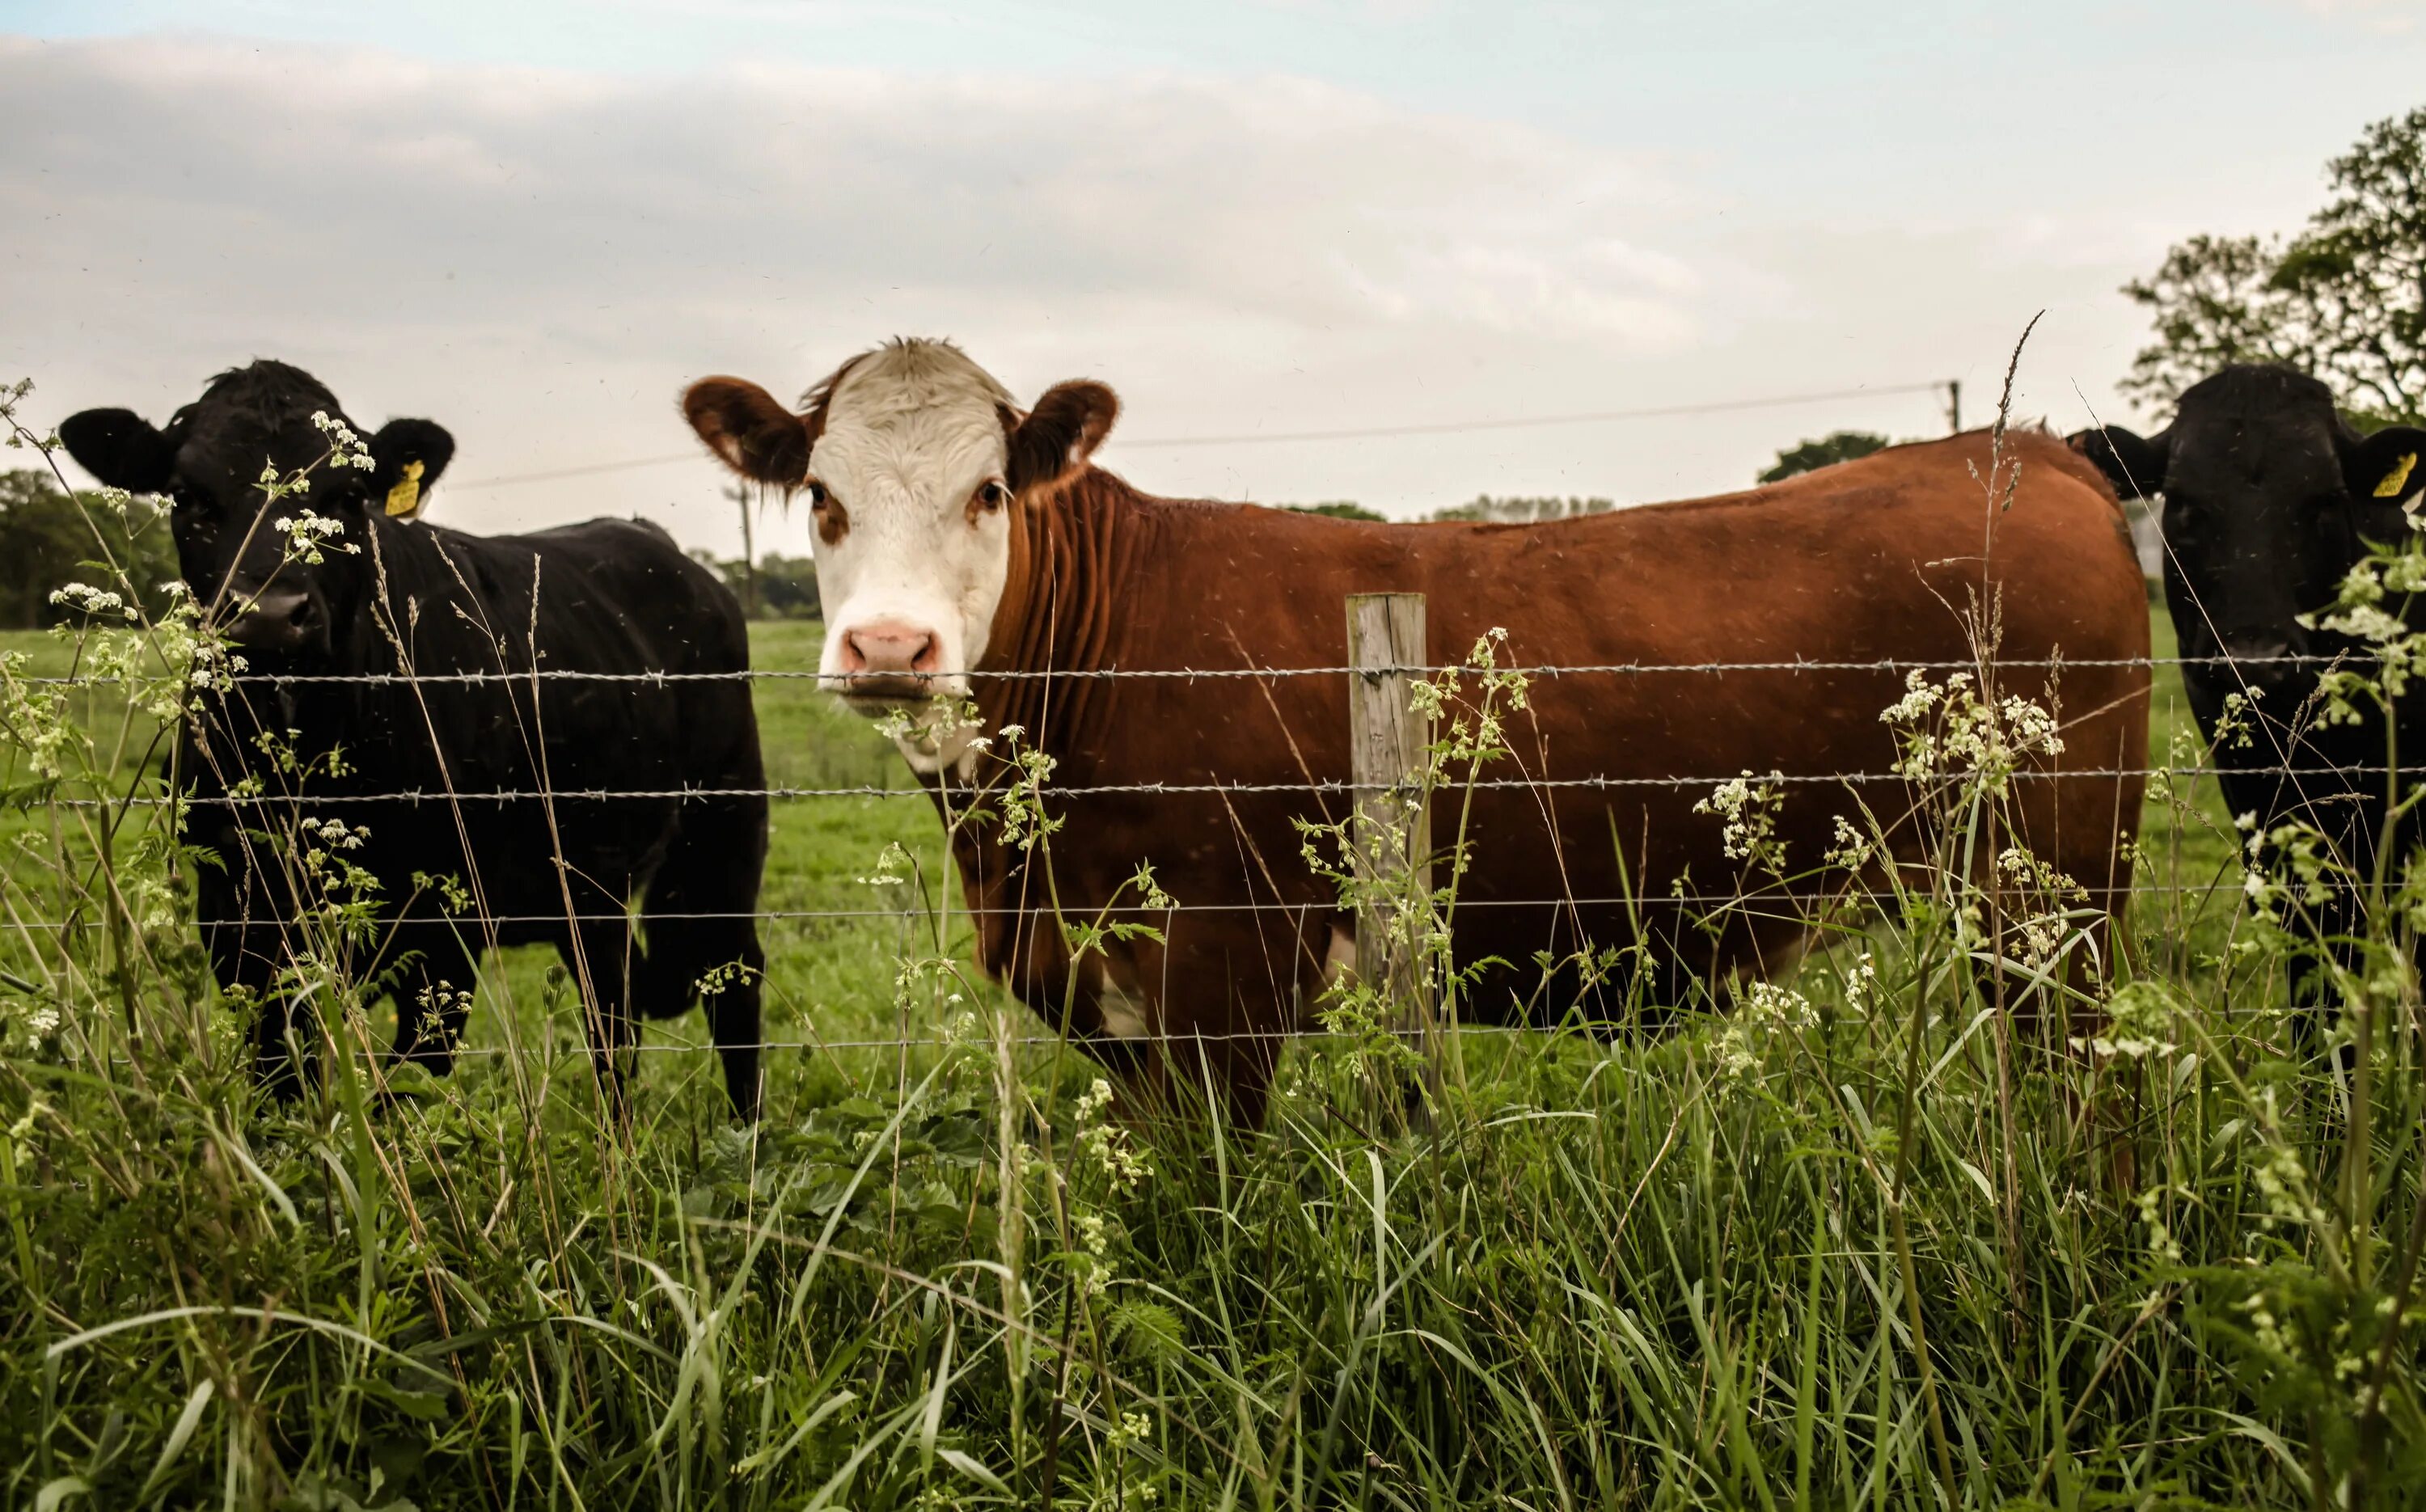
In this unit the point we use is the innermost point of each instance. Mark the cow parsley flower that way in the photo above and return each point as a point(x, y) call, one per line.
point(1920, 697)
point(41, 1020)
point(334, 833)
point(1767, 1011)
point(1853, 850)
point(345, 447)
point(893, 867)
point(2162, 1246)
point(1748, 809)
point(1123, 1167)
point(1133, 1427)
point(1953, 730)
point(307, 532)
point(93, 601)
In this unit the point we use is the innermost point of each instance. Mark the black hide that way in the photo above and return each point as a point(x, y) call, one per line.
point(2270, 497)
point(607, 596)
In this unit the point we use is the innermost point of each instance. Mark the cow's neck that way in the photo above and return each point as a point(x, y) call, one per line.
point(1062, 610)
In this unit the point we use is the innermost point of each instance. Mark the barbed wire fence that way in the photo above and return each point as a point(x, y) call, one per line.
point(1779, 897)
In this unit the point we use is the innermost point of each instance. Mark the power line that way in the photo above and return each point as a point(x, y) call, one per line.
point(1530, 422)
point(1442, 428)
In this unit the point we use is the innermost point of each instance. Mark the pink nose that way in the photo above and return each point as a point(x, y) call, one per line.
point(888, 649)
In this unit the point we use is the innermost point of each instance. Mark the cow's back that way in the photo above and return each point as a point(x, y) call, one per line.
point(1876, 560)
point(476, 740)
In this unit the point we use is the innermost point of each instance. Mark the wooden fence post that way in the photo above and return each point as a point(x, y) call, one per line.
point(1391, 833)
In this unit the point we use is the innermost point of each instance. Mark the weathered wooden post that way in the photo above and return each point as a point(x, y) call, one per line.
point(1390, 835)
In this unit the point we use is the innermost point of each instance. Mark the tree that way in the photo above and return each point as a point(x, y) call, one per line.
point(786, 586)
point(49, 538)
point(2345, 299)
point(1521, 510)
point(1836, 446)
point(1336, 509)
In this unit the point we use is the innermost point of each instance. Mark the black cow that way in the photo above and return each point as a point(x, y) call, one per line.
point(2270, 497)
point(461, 869)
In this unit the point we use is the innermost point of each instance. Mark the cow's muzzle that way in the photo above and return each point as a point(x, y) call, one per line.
point(277, 617)
point(888, 661)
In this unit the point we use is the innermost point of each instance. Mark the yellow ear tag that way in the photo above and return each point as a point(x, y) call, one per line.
point(405, 497)
point(2394, 480)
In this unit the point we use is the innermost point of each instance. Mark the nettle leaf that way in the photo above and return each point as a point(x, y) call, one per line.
point(1148, 1332)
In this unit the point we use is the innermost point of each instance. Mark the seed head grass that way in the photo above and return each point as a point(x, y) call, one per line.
point(1826, 1249)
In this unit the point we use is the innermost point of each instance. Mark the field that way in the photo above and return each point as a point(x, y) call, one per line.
point(1872, 1251)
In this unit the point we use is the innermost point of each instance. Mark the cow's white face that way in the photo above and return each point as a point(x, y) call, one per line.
point(911, 457)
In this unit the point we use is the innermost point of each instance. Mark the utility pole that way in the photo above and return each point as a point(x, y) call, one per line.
point(747, 496)
point(1954, 406)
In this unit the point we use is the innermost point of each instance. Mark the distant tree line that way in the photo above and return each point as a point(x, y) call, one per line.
point(49, 538)
point(786, 586)
point(1482, 508)
point(1803, 457)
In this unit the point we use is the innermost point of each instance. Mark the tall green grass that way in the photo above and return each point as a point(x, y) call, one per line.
point(1823, 1265)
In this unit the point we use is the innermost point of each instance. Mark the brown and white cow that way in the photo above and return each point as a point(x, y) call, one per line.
point(959, 532)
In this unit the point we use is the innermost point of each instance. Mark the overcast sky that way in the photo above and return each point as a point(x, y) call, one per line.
point(534, 221)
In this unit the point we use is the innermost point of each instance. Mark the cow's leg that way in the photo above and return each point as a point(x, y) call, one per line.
point(733, 1021)
point(248, 954)
point(599, 952)
point(720, 961)
point(1175, 1076)
point(1213, 1010)
point(700, 910)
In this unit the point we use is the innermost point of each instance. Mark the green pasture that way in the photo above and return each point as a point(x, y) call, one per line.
point(1857, 1248)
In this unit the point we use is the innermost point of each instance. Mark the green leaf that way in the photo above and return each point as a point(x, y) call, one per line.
point(179, 1435)
point(56, 1491)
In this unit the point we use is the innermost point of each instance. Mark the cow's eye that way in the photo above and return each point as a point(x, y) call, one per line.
point(992, 494)
point(817, 495)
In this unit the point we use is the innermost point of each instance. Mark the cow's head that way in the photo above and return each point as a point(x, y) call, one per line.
point(209, 460)
point(2269, 499)
point(914, 459)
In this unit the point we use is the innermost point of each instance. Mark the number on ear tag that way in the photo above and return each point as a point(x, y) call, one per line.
point(405, 497)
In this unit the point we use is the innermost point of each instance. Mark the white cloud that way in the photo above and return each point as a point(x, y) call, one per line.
point(540, 259)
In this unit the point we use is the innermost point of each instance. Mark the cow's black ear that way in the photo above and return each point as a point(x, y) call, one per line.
point(2135, 464)
point(748, 430)
point(1054, 439)
point(121, 448)
point(2386, 465)
point(407, 456)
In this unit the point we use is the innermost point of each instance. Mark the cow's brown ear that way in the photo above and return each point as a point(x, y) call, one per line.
point(1054, 439)
point(748, 430)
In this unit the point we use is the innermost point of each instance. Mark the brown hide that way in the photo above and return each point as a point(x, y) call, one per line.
point(1866, 561)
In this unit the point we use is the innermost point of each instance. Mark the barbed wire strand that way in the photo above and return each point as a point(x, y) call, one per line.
point(474, 920)
point(500, 795)
point(764, 674)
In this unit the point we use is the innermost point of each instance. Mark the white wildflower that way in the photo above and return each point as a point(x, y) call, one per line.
point(1747, 809)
